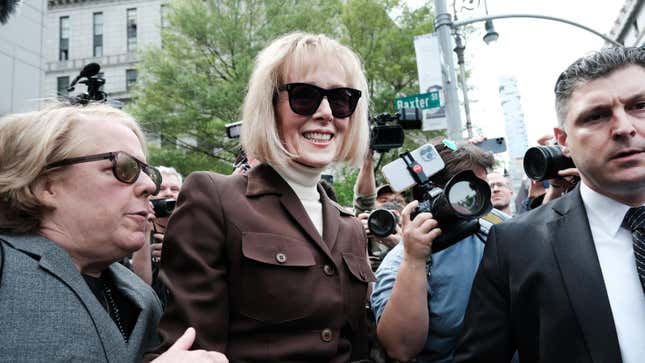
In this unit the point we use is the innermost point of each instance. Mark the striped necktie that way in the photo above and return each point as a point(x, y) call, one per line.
point(635, 222)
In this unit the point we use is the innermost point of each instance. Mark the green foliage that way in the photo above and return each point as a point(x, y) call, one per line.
point(185, 165)
point(344, 186)
point(386, 46)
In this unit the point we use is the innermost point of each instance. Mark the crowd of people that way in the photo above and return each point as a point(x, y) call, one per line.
point(105, 258)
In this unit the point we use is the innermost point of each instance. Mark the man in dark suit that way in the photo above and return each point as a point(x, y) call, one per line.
point(561, 283)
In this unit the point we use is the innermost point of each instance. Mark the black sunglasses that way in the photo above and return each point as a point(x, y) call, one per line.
point(304, 99)
point(125, 167)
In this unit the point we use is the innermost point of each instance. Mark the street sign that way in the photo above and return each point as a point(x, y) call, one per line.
point(434, 113)
point(423, 101)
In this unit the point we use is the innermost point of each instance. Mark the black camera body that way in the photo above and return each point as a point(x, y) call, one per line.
point(544, 162)
point(163, 207)
point(384, 136)
point(457, 208)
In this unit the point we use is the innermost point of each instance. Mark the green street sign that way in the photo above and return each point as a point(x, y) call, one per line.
point(423, 101)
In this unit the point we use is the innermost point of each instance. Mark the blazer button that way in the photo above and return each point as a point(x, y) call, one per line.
point(328, 270)
point(281, 257)
point(326, 335)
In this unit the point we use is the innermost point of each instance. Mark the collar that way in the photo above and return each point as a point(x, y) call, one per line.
point(602, 210)
point(301, 179)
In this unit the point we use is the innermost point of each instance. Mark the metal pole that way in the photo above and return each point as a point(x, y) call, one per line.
point(443, 26)
point(459, 49)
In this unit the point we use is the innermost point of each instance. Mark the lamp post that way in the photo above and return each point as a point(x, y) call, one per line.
point(443, 25)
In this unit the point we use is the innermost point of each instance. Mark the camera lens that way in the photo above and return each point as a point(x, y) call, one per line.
point(382, 222)
point(544, 162)
point(466, 199)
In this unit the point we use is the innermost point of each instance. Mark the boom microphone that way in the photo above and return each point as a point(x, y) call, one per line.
point(88, 71)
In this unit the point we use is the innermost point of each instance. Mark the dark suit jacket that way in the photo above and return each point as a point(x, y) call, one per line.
point(49, 314)
point(540, 289)
point(246, 267)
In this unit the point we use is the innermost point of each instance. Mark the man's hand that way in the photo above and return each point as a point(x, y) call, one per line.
point(419, 233)
point(391, 240)
point(179, 352)
point(566, 178)
point(363, 219)
point(155, 248)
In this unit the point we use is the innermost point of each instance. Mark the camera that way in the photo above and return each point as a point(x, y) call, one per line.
point(163, 207)
point(382, 222)
point(457, 207)
point(233, 130)
point(384, 137)
point(544, 162)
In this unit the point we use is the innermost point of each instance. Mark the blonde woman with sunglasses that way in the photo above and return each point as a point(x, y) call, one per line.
point(265, 265)
point(74, 199)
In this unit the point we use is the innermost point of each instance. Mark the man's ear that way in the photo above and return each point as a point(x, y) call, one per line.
point(43, 189)
point(561, 139)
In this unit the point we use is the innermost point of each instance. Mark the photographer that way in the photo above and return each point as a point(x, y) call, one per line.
point(419, 309)
point(540, 192)
point(367, 198)
point(170, 185)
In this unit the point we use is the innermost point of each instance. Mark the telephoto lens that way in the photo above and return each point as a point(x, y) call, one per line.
point(163, 207)
point(382, 222)
point(544, 162)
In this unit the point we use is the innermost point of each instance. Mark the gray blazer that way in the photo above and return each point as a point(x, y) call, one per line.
point(49, 314)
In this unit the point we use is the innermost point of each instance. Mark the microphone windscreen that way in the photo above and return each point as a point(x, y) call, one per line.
point(90, 70)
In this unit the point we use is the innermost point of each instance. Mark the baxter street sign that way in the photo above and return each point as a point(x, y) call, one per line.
point(423, 101)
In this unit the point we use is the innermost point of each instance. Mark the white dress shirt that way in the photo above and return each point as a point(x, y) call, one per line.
point(616, 255)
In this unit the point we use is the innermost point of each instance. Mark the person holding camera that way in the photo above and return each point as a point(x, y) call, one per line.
point(566, 281)
point(74, 200)
point(264, 264)
point(420, 297)
point(168, 193)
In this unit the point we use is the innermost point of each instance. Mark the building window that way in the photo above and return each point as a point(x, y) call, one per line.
point(132, 29)
point(130, 78)
point(61, 86)
point(98, 34)
point(63, 40)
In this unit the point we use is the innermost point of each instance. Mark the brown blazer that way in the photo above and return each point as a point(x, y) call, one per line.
point(246, 267)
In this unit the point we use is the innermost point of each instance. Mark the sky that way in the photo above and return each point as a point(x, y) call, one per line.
point(534, 51)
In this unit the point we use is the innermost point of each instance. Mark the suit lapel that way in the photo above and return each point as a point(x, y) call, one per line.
point(56, 261)
point(577, 259)
point(134, 296)
point(331, 219)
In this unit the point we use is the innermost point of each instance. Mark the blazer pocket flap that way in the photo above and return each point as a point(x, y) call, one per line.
point(277, 249)
point(359, 267)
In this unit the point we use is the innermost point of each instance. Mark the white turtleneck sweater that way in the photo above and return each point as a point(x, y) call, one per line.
point(303, 181)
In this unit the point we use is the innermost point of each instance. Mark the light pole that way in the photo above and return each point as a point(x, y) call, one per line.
point(443, 25)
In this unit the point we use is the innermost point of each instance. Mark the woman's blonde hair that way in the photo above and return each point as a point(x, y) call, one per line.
point(29, 142)
point(300, 52)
